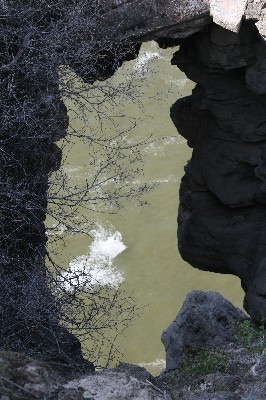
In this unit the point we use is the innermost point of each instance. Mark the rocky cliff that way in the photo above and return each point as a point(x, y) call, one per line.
point(223, 360)
point(222, 209)
point(222, 195)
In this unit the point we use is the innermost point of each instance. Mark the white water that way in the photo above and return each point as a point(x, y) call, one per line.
point(144, 60)
point(97, 267)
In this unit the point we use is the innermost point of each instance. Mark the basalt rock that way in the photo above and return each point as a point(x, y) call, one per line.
point(139, 21)
point(223, 194)
point(243, 379)
point(113, 386)
point(222, 214)
point(206, 321)
point(213, 351)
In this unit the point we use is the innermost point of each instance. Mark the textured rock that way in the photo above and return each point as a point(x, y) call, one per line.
point(223, 194)
point(176, 19)
point(238, 382)
point(232, 367)
point(24, 378)
point(255, 11)
point(228, 14)
point(115, 386)
point(256, 74)
point(171, 19)
point(243, 379)
point(135, 371)
point(206, 320)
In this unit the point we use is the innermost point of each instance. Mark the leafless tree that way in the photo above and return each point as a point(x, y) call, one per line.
point(41, 41)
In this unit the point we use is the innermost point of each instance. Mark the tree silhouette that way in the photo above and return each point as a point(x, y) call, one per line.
point(40, 40)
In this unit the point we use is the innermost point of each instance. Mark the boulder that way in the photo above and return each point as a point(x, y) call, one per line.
point(206, 321)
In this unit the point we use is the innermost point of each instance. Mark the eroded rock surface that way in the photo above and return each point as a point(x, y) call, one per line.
point(138, 20)
point(176, 19)
point(115, 386)
point(206, 320)
point(243, 379)
point(222, 215)
point(228, 14)
point(256, 11)
point(241, 376)
point(213, 352)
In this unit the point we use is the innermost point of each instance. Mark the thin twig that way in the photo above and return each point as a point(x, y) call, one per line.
point(164, 393)
point(18, 386)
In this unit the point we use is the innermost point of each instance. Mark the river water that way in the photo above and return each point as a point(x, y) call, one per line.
point(137, 247)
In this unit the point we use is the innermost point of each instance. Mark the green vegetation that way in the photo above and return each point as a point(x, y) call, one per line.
point(252, 338)
point(248, 336)
point(204, 362)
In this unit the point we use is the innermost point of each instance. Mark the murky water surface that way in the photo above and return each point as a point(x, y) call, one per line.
point(137, 247)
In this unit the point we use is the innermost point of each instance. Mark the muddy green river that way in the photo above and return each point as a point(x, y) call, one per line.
point(137, 247)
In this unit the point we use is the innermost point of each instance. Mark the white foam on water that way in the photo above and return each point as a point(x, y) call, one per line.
point(169, 179)
point(72, 169)
point(159, 147)
point(79, 173)
point(158, 364)
point(96, 267)
point(142, 63)
point(179, 83)
point(56, 230)
point(169, 140)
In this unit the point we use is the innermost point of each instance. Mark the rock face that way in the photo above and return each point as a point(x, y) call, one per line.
point(223, 194)
point(243, 379)
point(213, 352)
point(228, 14)
point(175, 19)
point(241, 376)
point(27, 379)
point(114, 386)
point(171, 19)
point(206, 320)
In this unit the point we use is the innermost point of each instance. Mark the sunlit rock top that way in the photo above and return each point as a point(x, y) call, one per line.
point(142, 20)
point(228, 14)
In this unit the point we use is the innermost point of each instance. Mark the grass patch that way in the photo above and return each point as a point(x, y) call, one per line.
point(252, 338)
point(204, 362)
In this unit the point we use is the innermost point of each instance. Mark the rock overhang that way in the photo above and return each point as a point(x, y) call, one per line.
point(143, 20)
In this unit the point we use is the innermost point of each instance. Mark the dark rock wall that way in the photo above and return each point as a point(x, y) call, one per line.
point(222, 214)
point(33, 117)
